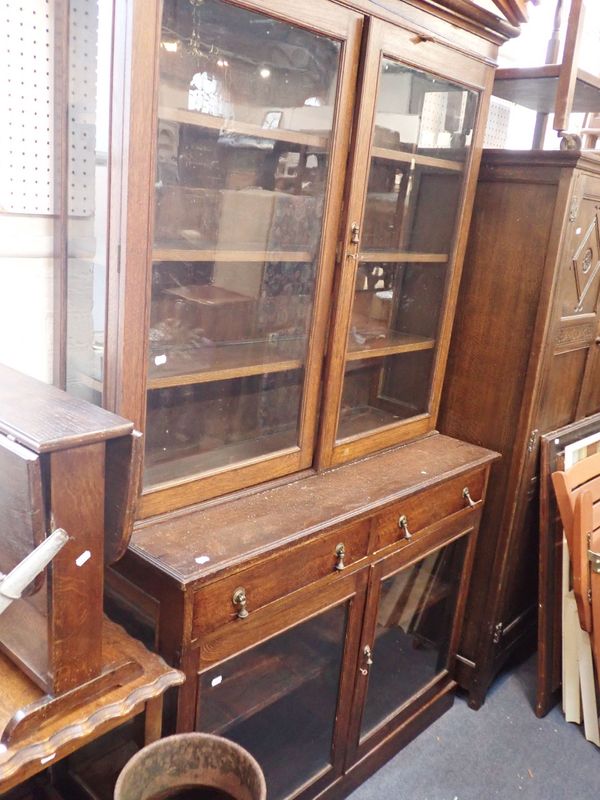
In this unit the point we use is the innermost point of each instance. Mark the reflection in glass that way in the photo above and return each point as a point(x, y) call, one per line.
point(88, 120)
point(279, 700)
point(246, 106)
point(412, 636)
point(422, 133)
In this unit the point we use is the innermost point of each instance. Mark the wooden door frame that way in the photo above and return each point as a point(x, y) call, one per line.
point(277, 618)
point(440, 536)
point(386, 40)
point(129, 375)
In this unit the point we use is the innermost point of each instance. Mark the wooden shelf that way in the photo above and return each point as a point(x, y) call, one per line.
point(390, 344)
point(535, 88)
point(188, 466)
point(355, 421)
point(393, 256)
point(388, 154)
point(256, 685)
point(223, 125)
point(226, 362)
point(161, 253)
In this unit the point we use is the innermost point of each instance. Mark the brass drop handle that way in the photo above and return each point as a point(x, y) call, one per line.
point(355, 233)
point(368, 660)
point(470, 502)
point(239, 600)
point(340, 554)
point(403, 525)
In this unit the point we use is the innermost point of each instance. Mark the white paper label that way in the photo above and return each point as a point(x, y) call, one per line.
point(85, 556)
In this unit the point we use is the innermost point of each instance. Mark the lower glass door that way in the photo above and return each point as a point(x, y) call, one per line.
point(412, 634)
point(279, 700)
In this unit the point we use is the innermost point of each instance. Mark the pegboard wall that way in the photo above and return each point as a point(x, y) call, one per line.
point(83, 38)
point(496, 132)
point(26, 109)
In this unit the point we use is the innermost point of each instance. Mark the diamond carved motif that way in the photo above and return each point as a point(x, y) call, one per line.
point(586, 263)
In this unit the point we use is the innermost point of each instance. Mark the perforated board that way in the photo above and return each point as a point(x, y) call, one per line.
point(496, 132)
point(26, 111)
point(83, 34)
point(27, 107)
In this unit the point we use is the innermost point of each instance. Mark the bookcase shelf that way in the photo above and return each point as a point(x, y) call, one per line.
point(224, 125)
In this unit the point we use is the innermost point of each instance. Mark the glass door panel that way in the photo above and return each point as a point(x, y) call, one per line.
point(403, 248)
point(279, 700)
point(415, 617)
point(246, 111)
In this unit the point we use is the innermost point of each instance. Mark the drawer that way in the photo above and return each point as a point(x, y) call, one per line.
point(278, 576)
point(428, 507)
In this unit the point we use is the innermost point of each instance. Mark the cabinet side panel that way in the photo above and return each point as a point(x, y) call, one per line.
point(483, 397)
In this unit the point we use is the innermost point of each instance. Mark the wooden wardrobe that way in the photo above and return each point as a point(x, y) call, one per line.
point(524, 360)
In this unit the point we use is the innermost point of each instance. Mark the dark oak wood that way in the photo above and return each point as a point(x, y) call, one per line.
point(276, 518)
point(75, 592)
point(123, 475)
point(519, 368)
point(21, 505)
point(271, 528)
point(279, 545)
point(54, 449)
point(44, 419)
point(55, 738)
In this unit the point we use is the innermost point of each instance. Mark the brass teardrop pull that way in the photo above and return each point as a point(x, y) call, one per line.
point(403, 525)
point(239, 600)
point(340, 554)
point(467, 495)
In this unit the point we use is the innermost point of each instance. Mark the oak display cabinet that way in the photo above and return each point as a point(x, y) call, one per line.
point(294, 216)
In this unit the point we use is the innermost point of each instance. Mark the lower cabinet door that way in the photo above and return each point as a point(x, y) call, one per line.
point(409, 636)
point(287, 699)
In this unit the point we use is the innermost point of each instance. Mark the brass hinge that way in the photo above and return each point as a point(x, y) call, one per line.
point(498, 630)
point(532, 439)
point(594, 559)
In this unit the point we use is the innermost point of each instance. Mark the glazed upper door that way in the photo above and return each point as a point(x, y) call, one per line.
point(252, 123)
point(406, 202)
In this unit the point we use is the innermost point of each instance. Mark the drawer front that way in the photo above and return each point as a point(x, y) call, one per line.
point(427, 508)
point(277, 576)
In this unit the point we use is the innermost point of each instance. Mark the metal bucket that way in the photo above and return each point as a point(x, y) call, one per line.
point(187, 760)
